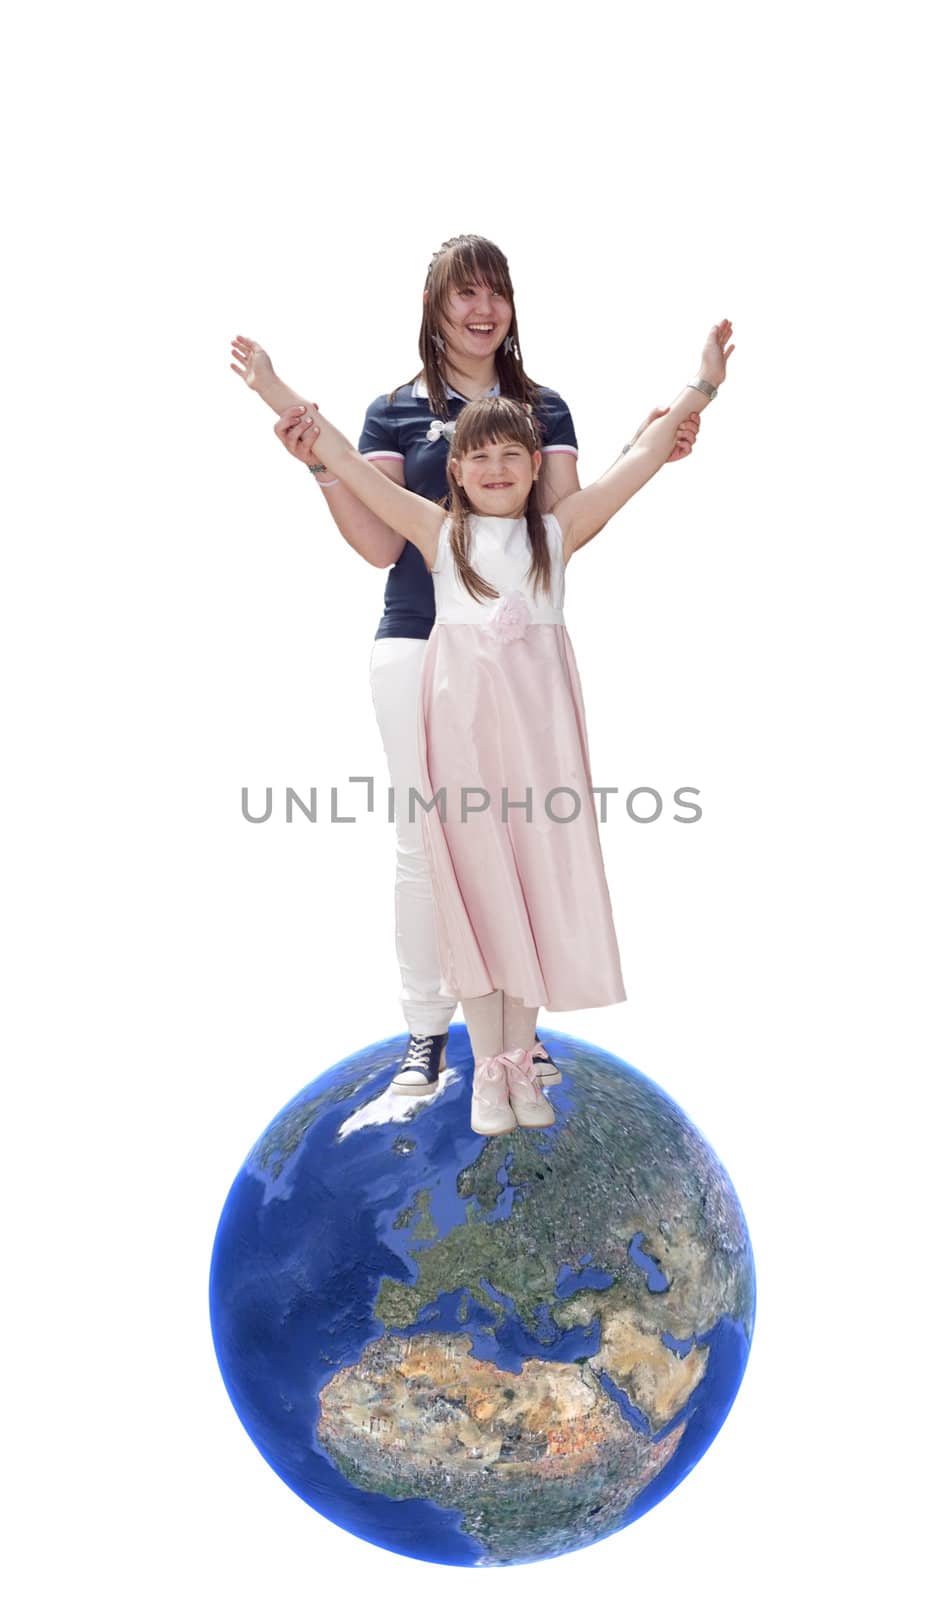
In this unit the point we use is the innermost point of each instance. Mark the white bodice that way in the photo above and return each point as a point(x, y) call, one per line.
point(500, 553)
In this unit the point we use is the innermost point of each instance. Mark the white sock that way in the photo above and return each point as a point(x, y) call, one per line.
point(484, 1017)
point(519, 1024)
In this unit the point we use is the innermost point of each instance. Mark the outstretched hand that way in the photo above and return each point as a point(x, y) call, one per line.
point(251, 361)
point(686, 433)
point(298, 432)
point(714, 355)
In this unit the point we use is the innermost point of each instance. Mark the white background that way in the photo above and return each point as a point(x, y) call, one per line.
point(181, 619)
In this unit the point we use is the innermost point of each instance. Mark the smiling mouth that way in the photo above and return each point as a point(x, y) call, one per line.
point(480, 327)
point(497, 486)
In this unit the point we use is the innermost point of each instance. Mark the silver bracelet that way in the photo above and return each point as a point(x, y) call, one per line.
point(323, 483)
point(704, 386)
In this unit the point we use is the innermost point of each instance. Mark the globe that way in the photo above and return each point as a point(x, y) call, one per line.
point(481, 1351)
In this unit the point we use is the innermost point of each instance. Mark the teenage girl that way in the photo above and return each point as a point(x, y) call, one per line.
point(521, 905)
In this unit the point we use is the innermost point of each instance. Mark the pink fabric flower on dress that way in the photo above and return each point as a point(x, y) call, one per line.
point(510, 619)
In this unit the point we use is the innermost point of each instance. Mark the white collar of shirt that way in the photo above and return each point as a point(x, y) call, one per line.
point(420, 391)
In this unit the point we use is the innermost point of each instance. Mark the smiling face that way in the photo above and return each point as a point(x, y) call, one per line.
point(496, 476)
point(467, 315)
point(475, 321)
point(492, 470)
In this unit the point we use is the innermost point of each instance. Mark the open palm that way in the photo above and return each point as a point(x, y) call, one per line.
point(716, 351)
point(250, 361)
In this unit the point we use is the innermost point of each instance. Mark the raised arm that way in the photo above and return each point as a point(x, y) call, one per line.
point(583, 514)
point(416, 518)
point(366, 533)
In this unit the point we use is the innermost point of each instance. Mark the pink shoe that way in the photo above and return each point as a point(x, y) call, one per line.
point(525, 1091)
point(491, 1111)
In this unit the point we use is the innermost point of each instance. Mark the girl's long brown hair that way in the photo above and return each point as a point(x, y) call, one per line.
point(495, 419)
point(463, 261)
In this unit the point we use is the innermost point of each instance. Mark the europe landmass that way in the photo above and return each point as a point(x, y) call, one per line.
point(625, 1164)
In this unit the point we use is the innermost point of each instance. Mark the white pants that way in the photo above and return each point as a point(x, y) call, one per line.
point(395, 673)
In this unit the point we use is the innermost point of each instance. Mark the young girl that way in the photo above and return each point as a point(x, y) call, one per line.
point(522, 909)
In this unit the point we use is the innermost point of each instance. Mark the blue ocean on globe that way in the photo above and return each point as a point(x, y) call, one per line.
point(482, 1351)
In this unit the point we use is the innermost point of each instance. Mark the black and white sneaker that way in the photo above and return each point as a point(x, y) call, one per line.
point(546, 1070)
point(423, 1061)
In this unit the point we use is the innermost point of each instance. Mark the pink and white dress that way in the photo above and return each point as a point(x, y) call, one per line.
point(521, 898)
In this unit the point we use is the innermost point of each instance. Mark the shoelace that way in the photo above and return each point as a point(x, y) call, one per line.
point(523, 1068)
point(490, 1075)
point(420, 1048)
point(492, 1067)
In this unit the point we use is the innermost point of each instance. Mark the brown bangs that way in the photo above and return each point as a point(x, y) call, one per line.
point(495, 419)
point(473, 260)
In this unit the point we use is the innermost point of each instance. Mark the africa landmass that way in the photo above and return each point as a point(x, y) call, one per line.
point(421, 1417)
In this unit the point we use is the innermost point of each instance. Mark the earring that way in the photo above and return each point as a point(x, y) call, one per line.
point(510, 347)
point(438, 341)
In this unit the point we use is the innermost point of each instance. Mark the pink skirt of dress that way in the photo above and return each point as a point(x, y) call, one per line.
point(521, 904)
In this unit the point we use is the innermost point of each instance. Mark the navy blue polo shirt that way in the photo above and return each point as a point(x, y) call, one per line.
point(398, 431)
